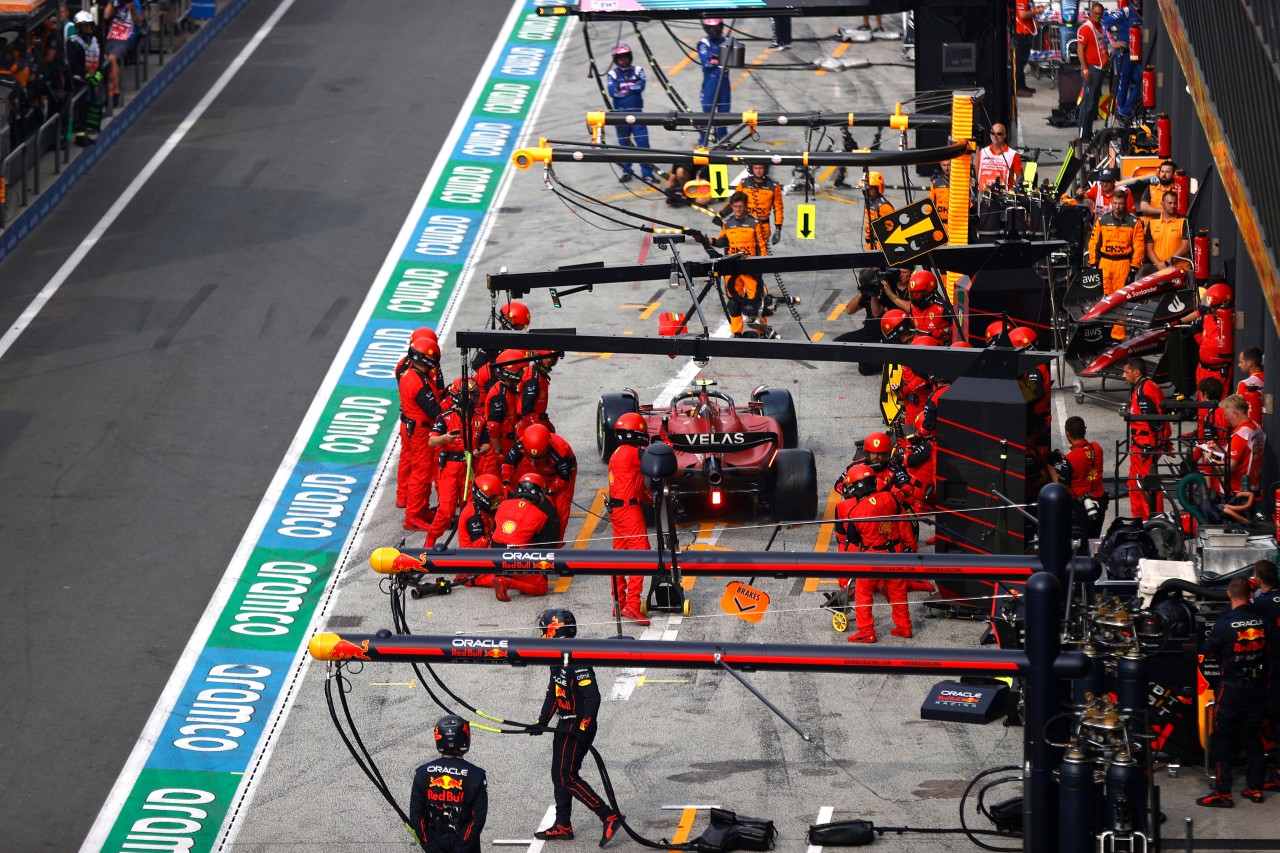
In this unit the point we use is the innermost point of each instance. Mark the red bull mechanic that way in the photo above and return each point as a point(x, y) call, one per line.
point(449, 802)
point(573, 695)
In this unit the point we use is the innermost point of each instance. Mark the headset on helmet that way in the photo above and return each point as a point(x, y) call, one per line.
point(630, 429)
point(924, 341)
point(1218, 296)
point(83, 17)
point(994, 330)
point(934, 320)
point(531, 485)
point(510, 363)
point(922, 283)
point(877, 442)
point(894, 323)
point(423, 350)
point(860, 482)
point(558, 623)
point(453, 734)
point(875, 179)
point(536, 440)
point(516, 315)
point(622, 49)
point(487, 490)
point(473, 388)
point(1022, 337)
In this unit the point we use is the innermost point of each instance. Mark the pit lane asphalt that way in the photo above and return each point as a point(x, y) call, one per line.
point(146, 409)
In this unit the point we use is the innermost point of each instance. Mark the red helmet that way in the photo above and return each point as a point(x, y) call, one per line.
point(924, 341)
point(473, 388)
point(425, 332)
point(510, 364)
point(515, 315)
point(995, 330)
point(934, 320)
point(860, 481)
point(1022, 337)
point(536, 440)
point(548, 358)
point(531, 485)
point(922, 283)
point(962, 345)
point(487, 490)
point(894, 323)
point(424, 350)
point(1218, 296)
point(630, 429)
point(877, 442)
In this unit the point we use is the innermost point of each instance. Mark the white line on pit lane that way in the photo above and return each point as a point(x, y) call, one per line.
point(626, 682)
point(824, 816)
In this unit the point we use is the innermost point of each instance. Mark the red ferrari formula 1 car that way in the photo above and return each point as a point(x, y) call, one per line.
point(725, 452)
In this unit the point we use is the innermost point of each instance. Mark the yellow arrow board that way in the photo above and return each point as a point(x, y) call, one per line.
point(719, 176)
point(910, 232)
point(806, 222)
point(744, 601)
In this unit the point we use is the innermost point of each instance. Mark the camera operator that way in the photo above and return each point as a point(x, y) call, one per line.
point(870, 300)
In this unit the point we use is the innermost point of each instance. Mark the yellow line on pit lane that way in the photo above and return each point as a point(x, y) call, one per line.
point(841, 200)
point(589, 525)
point(825, 532)
point(835, 54)
point(680, 66)
point(836, 312)
point(684, 827)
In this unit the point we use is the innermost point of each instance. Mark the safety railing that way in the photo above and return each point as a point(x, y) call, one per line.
point(46, 151)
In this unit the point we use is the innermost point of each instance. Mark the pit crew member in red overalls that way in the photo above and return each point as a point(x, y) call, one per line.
point(859, 522)
point(502, 407)
point(573, 694)
point(1146, 438)
point(402, 468)
point(543, 452)
point(452, 463)
point(419, 408)
point(526, 518)
point(627, 498)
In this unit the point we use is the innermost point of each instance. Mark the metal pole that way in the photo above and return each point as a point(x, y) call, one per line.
point(1055, 529)
point(1040, 758)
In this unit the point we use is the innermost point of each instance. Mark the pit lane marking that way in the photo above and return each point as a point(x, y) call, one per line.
point(835, 54)
point(824, 816)
point(531, 845)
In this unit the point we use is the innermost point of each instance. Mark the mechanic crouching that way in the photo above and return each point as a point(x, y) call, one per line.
point(526, 518)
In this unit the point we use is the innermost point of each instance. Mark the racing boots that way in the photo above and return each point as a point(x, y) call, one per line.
point(904, 633)
point(612, 826)
point(557, 832)
point(500, 585)
point(1215, 800)
point(863, 637)
point(633, 614)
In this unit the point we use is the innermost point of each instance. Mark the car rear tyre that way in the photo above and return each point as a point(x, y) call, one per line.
point(610, 408)
point(795, 490)
point(776, 403)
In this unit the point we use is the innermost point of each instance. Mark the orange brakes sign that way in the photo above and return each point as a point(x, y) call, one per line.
point(744, 601)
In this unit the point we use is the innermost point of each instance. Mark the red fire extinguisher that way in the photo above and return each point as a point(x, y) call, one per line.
point(1182, 186)
point(1200, 249)
point(1149, 87)
point(1164, 136)
point(1276, 517)
point(1135, 44)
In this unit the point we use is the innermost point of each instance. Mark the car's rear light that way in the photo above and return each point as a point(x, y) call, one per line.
point(715, 497)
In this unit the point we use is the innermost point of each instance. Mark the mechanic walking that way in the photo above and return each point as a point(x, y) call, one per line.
point(626, 89)
point(740, 233)
point(1241, 641)
point(627, 499)
point(574, 696)
point(450, 798)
